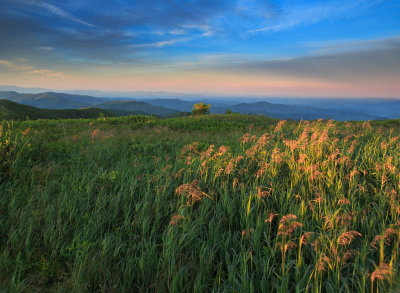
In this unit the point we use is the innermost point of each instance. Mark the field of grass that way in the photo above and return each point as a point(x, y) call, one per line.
point(218, 203)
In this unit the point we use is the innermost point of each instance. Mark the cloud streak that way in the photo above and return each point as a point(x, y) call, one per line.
point(27, 69)
point(310, 14)
point(60, 12)
point(160, 44)
point(358, 66)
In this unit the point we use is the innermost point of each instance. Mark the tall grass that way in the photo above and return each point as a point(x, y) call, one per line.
point(219, 203)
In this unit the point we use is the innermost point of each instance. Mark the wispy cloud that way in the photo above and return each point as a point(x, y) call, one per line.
point(46, 48)
point(177, 32)
point(268, 28)
point(357, 66)
point(14, 67)
point(310, 14)
point(27, 69)
point(357, 45)
point(60, 12)
point(327, 47)
point(159, 44)
point(205, 29)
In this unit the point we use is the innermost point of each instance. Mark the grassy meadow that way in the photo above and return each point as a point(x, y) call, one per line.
point(215, 203)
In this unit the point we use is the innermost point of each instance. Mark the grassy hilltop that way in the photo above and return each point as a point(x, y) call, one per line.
point(224, 203)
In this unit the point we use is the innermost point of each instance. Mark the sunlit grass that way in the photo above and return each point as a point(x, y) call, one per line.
point(214, 203)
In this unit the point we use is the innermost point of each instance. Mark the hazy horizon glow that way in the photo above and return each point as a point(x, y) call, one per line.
point(253, 47)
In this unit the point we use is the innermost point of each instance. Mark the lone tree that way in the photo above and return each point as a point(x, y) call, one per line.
point(201, 108)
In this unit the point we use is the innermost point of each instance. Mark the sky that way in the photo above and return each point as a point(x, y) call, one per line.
point(291, 48)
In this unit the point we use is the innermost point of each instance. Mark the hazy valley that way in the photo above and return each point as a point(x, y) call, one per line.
point(297, 109)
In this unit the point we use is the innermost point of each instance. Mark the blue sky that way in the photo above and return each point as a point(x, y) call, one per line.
point(338, 48)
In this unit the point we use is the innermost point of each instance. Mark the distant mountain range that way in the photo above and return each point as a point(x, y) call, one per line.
point(298, 112)
point(11, 110)
point(136, 107)
point(118, 107)
point(50, 100)
point(308, 109)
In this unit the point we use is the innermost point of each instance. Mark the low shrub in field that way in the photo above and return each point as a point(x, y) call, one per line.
point(201, 108)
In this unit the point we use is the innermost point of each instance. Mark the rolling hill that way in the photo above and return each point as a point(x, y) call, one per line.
point(175, 104)
point(298, 112)
point(119, 107)
point(11, 110)
point(136, 107)
point(51, 100)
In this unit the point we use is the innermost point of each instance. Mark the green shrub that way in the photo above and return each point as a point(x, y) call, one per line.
point(201, 108)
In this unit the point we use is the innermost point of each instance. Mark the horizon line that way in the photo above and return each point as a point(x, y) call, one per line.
point(209, 94)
